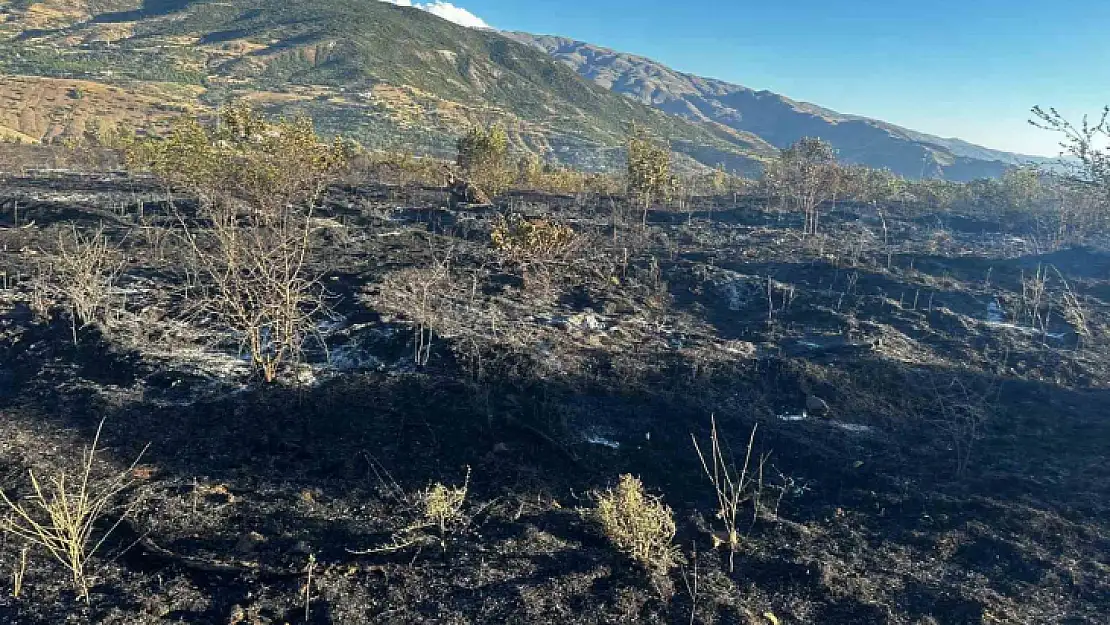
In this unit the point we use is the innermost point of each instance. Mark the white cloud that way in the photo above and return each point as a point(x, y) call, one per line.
point(447, 11)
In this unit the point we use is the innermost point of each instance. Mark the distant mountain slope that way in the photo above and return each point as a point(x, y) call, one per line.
point(389, 75)
point(777, 119)
point(398, 77)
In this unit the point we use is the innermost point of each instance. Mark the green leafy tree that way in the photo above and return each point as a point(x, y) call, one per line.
point(483, 156)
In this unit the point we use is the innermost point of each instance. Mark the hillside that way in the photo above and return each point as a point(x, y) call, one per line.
point(389, 76)
point(775, 118)
point(399, 78)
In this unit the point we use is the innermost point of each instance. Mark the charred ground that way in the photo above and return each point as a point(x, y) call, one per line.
point(959, 477)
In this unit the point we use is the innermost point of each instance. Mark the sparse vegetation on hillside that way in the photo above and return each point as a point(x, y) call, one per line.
point(927, 360)
point(552, 345)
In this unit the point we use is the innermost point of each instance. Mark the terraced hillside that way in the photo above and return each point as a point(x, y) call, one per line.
point(389, 76)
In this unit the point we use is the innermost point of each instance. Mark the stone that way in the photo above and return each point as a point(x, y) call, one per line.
point(816, 406)
point(249, 542)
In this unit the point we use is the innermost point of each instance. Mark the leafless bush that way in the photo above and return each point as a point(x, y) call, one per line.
point(424, 296)
point(81, 271)
point(258, 183)
point(260, 285)
point(959, 410)
point(61, 516)
point(733, 487)
point(496, 340)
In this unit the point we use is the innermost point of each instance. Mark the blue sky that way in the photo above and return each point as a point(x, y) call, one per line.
point(970, 69)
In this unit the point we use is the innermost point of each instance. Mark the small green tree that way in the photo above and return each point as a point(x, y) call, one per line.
point(806, 174)
point(718, 179)
point(483, 156)
point(529, 170)
point(649, 168)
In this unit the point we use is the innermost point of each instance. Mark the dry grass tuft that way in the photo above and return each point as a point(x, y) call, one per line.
point(524, 240)
point(640, 525)
point(441, 507)
point(61, 515)
point(443, 504)
point(19, 573)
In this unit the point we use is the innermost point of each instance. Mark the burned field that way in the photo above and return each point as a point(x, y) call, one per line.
point(928, 393)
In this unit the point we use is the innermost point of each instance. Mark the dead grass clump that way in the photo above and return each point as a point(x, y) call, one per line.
point(638, 524)
point(440, 507)
point(61, 515)
point(443, 504)
point(521, 239)
point(1074, 310)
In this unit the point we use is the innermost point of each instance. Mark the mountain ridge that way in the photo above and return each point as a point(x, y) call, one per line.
point(778, 119)
point(401, 78)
